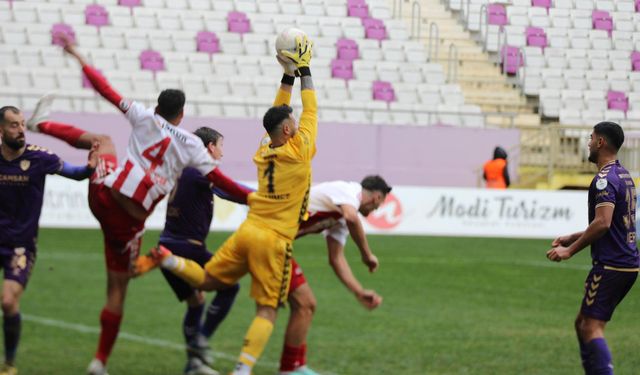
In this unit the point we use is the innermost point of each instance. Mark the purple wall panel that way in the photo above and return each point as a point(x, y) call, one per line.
point(404, 155)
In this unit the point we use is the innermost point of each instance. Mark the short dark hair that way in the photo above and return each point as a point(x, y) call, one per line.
point(7, 108)
point(375, 183)
point(208, 135)
point(170, 103)
point(274, 117)
point(612, 132)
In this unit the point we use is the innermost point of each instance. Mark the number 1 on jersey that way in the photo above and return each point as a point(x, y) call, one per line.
point(268, 173)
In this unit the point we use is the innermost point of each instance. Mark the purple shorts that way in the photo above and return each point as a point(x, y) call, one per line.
point(197, 253)
point(17, 263)
point(605, 288)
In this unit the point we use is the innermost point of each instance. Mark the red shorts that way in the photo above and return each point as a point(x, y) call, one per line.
point(122, 233)
point(297, 276)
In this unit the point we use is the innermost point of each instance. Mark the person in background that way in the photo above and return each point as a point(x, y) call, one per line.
point(495, 171)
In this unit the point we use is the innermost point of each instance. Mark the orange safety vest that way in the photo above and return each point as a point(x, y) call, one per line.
point(494, 173)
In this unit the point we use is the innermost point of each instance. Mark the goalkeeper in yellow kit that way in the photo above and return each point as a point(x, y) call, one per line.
point(262, 243)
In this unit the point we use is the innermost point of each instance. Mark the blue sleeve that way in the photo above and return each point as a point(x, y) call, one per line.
point(229, 197)
point(75, 172)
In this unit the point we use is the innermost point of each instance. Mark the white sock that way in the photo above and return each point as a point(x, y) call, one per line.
point(172, 263)
point(241, 369)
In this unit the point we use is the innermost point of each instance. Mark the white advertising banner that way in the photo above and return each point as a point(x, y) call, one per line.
point(480, 212)
point(408, 210)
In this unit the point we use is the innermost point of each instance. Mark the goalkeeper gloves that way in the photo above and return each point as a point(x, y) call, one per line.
point(302, 56)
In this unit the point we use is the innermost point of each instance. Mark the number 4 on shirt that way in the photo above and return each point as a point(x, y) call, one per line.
point(155, 153)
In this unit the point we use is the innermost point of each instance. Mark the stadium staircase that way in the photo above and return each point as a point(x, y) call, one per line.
point(473, 69)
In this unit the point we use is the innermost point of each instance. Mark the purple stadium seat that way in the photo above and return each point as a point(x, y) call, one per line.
point(151, 60)
point(238, 22)
point(635, 60)
point(637, 5)
point(129, 3)
point(342, 69)
point(541, 3)
point(347, 49)
point(383, 91)
point(536, 37)
point(358, 10)
point(511, 59)
point(374, 28)
point(496, 14)
point(602, 20)
point(96, 15)
point(617, 100)
point(61, 28)
point(207, 41)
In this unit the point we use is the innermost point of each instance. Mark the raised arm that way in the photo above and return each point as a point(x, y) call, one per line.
point(283, 97)
point(97, 80)
point(309, 118)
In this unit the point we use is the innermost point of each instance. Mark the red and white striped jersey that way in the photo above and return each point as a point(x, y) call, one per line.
point(325, 214)
point(156, 155)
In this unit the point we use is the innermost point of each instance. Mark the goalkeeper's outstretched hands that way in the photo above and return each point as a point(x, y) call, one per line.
point(302, 56)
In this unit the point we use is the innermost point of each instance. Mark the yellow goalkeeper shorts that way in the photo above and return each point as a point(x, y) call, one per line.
point(261, 251)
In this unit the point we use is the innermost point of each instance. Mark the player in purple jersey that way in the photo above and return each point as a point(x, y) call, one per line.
point(189, 216)
point(612, 236)
point(23, 169)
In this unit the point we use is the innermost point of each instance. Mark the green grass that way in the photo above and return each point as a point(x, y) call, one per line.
point(451, 306)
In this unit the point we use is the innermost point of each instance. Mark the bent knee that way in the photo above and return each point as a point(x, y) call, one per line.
point(9, 304)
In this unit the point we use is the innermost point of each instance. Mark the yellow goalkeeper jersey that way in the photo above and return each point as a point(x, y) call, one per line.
point(284, 173)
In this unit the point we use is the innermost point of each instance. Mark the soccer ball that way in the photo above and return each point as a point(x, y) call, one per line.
point(286, 40)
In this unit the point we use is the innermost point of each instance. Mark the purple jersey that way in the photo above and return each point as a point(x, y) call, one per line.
point(190, 208)
point(21, 194)
point(613, 186)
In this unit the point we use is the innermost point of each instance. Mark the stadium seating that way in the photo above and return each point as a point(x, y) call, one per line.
point(580, 57)
point(365, 67)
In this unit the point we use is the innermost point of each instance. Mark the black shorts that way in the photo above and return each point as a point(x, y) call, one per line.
point(197, 253)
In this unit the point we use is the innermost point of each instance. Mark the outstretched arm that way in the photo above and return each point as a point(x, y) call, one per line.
point(309, 118)
point(97, 80)
point(233, 189)
point(230, 190)
point(79, 173)
point(356, 230)
point(283, 97)
point(368, 298)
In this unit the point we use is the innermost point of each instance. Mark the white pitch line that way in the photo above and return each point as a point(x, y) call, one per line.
point(135, 338)
point(127, 336)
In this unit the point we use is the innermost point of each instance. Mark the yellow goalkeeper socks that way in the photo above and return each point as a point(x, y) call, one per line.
point(186, 269)
point(254, 343)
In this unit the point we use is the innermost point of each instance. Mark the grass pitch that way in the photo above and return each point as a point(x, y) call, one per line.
point(451, 306)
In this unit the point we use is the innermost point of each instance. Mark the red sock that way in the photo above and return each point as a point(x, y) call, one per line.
point(64, 132)
point(302, 355)
point(110, 323)
point(291, 356)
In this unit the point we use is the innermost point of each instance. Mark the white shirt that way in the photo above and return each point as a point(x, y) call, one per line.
point(156, 155)
point(326, 198)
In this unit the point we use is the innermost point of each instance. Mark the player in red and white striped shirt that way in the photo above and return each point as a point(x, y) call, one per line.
point(157, 153)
